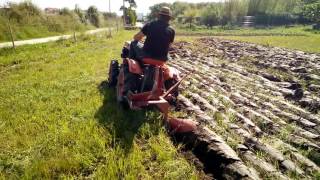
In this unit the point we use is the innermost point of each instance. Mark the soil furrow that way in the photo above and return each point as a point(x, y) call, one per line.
point(300, 120)
point(252, 107)
point(267, 120)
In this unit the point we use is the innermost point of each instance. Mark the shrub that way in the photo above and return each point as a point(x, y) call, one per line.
point(22, 12)
point(275, 19)
point(210, 16)
point(93, 16)
point(312, 13)
point(28, 21)
point(3, 29)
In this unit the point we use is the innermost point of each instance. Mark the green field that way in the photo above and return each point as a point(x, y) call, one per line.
point(58, 119)
point(304, 43)
point(30, 31)
point(298, 38)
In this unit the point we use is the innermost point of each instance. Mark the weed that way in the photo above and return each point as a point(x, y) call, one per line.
point(286, 131)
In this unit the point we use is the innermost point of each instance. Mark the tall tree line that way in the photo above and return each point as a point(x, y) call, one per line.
point(266, 12)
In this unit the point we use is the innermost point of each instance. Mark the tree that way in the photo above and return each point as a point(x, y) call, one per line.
point(131, 16)
point(107, 15)
point(23, 11)
point(132, 3)
point(190, 16)
point(312, 12)
point(93, 16)
point(210, 16)
point(178, 8)
point(65, 12)
point(155, 9)
point(234, 10)
point(80, 14)
point(129, 13)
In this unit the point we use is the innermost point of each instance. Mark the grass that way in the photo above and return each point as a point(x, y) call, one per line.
point(37, 29)
point(262, 31)
point(304, 43)
point(58, 119)
point(27, 32)
point(297, 37)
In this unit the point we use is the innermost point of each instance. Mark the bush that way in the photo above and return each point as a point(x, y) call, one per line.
point(80, 14)
point(59, 23)
point(275, 19)
point(210, 17)
point(28, 21)
point(312, 13)
point(316, 26)
point(66, 12)
point(3, 29)
point(267, 12)
point(23, 12)
point(93, 16)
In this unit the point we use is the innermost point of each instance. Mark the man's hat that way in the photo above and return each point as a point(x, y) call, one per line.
point(165, 11)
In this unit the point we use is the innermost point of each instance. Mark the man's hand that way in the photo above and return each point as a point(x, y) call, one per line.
point(139, 36)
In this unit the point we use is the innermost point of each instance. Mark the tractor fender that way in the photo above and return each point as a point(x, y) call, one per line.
point(134, 67)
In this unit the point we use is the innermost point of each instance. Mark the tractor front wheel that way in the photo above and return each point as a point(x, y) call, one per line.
point(120, 86)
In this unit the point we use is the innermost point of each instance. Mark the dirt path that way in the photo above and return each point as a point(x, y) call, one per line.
point(47, 39)
point(258, 108)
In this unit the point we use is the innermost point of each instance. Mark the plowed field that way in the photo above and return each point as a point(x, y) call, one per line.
point(258, 108)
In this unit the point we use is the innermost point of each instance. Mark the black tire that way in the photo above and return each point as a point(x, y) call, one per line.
point(148, 79)
point(120, 86)
point(126, 82)
point(132, 81)
point(113, 73)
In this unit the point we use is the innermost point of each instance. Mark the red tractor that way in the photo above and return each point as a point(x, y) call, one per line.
point(139, 85)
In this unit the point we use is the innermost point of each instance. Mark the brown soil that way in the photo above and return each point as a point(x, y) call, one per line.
point(258, 109)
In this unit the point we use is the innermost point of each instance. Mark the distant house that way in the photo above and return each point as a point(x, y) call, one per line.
point(51, 11)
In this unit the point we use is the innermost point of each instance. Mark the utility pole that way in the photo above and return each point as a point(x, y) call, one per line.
point(110, 25)
point(124, 13)
point(6, 9)
point(74, 27)
point(11, 34)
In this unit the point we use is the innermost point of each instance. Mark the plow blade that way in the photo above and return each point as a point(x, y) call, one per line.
point(178, 125)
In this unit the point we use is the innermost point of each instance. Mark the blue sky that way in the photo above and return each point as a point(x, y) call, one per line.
point(103, 5)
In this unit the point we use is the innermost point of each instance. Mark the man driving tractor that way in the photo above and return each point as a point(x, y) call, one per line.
point(159, 36)
point(154, 51)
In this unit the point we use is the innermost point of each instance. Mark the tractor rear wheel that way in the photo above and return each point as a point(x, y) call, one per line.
point(113, 73)
point(121, 93)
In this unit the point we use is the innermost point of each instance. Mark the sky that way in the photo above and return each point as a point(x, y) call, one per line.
point(103, 5)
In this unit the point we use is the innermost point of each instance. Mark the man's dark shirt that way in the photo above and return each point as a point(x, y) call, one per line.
point(159, 36)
